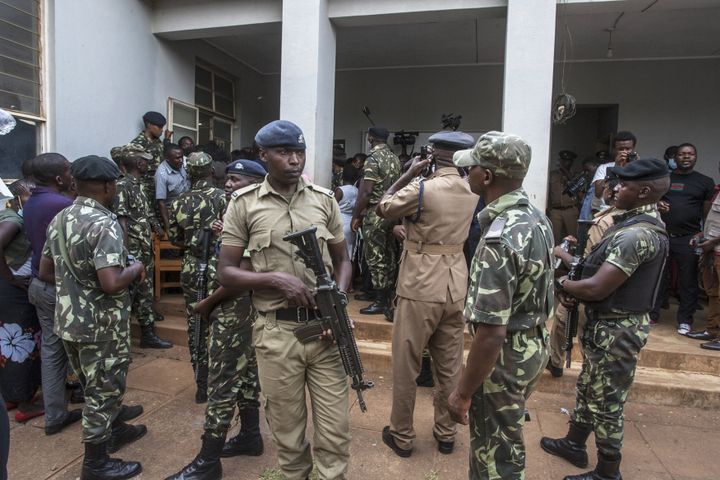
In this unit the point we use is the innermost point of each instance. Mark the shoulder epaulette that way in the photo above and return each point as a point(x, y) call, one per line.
point(318, 188)
point(494, 232)
point(244, 190)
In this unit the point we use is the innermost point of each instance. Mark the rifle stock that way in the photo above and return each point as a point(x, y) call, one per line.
point(331, 304)
point(202, 282)
point(576, 267)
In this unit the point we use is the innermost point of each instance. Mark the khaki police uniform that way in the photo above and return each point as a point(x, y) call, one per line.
point(562, 208)
point(431, 289)
point(257, 219)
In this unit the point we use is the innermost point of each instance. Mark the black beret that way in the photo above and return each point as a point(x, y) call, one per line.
point(249, 168)
point(281, 133)
point(379, 132)
point(567, 155)
point(452, 140)
point(93, 167)
point(641, 170)
point(155, 118)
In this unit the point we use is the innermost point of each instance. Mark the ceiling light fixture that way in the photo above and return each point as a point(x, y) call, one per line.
point(609, 53)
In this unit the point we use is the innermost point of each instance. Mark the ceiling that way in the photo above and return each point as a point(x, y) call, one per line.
point(665, 29)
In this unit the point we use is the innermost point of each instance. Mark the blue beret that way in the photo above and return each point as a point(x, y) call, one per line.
point(641, 170)
point(281, 133)
point(93, 167)
point(249, 168)
point(452, 140)
point(379, 132)
point(155, 118)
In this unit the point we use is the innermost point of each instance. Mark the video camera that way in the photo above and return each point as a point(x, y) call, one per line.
point(577, 185)
point(404, 138)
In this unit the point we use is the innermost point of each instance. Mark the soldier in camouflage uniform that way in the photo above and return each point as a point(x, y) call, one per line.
point(134, 212)
point(509, 299)
point(84, 253)
point(149, 140)
point(192, 211)
point(233, 373)
point(619, 284)
point(382, 169)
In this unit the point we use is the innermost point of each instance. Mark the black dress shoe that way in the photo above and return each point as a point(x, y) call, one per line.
point(701, 335)
point(446, 448)
point(128, 412)
point(389, 440)
point(365, 296)
point(72, 417)
point(556, 372)
point(714, 345)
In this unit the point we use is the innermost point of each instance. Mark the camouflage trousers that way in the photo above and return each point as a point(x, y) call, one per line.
point(102, 369)
point(233, 373)
point(610, 350)
point(143, 292)
point(148, 186)
point(380, 250)
point(497, 411)
point(189, 283)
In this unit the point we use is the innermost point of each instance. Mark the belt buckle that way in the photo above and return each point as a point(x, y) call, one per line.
point(298, 316)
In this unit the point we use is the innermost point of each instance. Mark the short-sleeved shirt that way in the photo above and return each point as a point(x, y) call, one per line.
point(132, 203)
point(687, 196)
point(600, 174)
point(170, 183)
point(154, 147)
point(382, 167)
point(511, 276)
point(93, 240)
point(258, 218)
point(18, 251)
point(42, 206)
point(194, 210)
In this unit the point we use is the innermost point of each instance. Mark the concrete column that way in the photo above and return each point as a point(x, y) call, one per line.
point(307, 80)
point(527, 98)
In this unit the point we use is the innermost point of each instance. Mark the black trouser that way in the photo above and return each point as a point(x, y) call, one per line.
point(682, 253)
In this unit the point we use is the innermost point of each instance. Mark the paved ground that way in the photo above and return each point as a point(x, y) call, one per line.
point(661, 442)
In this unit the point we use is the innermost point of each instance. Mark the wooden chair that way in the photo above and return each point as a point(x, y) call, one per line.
point(167, 270)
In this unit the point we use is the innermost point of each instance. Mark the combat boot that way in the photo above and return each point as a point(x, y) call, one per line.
point(148, 339)
point(425, 379)
point(572, 446)
point(124, 433)
point(202, 380)
point(248, 441)
point(608, 468)
point(378, 306)
point(97, 465)
point(207, 465)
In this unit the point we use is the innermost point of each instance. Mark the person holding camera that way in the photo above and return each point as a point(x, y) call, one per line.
point(432, 283)
point(562, 203)
point(623, 151)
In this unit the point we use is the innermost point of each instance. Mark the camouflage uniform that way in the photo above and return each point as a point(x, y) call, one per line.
point(380, 248)
point(132, 203)
point(192, 211)
point(233, 373)
point(94, 326)
point(510, 284)
point(155, 148)
point(611, 341)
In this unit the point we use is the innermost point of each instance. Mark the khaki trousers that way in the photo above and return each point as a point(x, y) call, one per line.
point(557, 337)
point(440, 326)
point(286, 367)
point(564, 222)
point(710, 278)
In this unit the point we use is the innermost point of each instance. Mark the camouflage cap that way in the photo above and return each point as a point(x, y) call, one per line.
point(505, 154)
point(198, 160)
point(116, 153)
point(133, 149)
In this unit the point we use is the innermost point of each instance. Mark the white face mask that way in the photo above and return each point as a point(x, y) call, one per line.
point(672, 164)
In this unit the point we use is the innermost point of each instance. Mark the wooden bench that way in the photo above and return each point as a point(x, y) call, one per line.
point(167, 270)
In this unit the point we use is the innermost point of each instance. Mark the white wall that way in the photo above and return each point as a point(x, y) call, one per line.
point(109, 69)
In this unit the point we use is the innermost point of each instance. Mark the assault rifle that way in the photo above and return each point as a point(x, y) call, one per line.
point(331, 304)
point(576, 268)
point(202, 282)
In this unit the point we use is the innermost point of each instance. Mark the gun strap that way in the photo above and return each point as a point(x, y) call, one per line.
point(418, 213)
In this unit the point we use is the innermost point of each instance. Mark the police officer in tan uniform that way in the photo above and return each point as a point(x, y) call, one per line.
point(562, 208)
point(257, 219)
point(432, 285)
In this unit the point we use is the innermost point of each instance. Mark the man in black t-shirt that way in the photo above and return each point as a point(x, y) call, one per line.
point(689, 199)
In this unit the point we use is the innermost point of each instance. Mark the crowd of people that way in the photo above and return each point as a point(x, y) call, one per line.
point(441, 240)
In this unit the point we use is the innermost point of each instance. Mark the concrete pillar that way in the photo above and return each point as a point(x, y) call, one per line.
point(527, 97)
point(307, 80)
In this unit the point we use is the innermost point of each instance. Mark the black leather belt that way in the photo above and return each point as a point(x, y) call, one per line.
point(297, 314)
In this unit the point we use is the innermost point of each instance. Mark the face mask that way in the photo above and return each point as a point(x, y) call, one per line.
point(672, 164)
point(20, 212)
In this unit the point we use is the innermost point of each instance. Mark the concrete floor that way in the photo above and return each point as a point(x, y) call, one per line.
point(660, 442)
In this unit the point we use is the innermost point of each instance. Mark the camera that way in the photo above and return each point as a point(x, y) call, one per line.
point(632, 156)
point(576, 186)
point(425, 150)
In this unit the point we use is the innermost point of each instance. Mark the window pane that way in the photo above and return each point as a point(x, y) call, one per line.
point(224, 106)
point(28, 6)
point(179, 132)
point(203, 77)
point(19, 35)
point(18, 69)
point(204, 128)
point(18, 86)
point(21, 104)
point(222, 130)
point(184, 115)
point(19, 52)
point(203, 98)
point(17, 146)
point(18, 17)
point(223, 87)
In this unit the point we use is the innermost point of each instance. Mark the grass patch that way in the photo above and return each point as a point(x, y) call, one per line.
point(432, 475)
